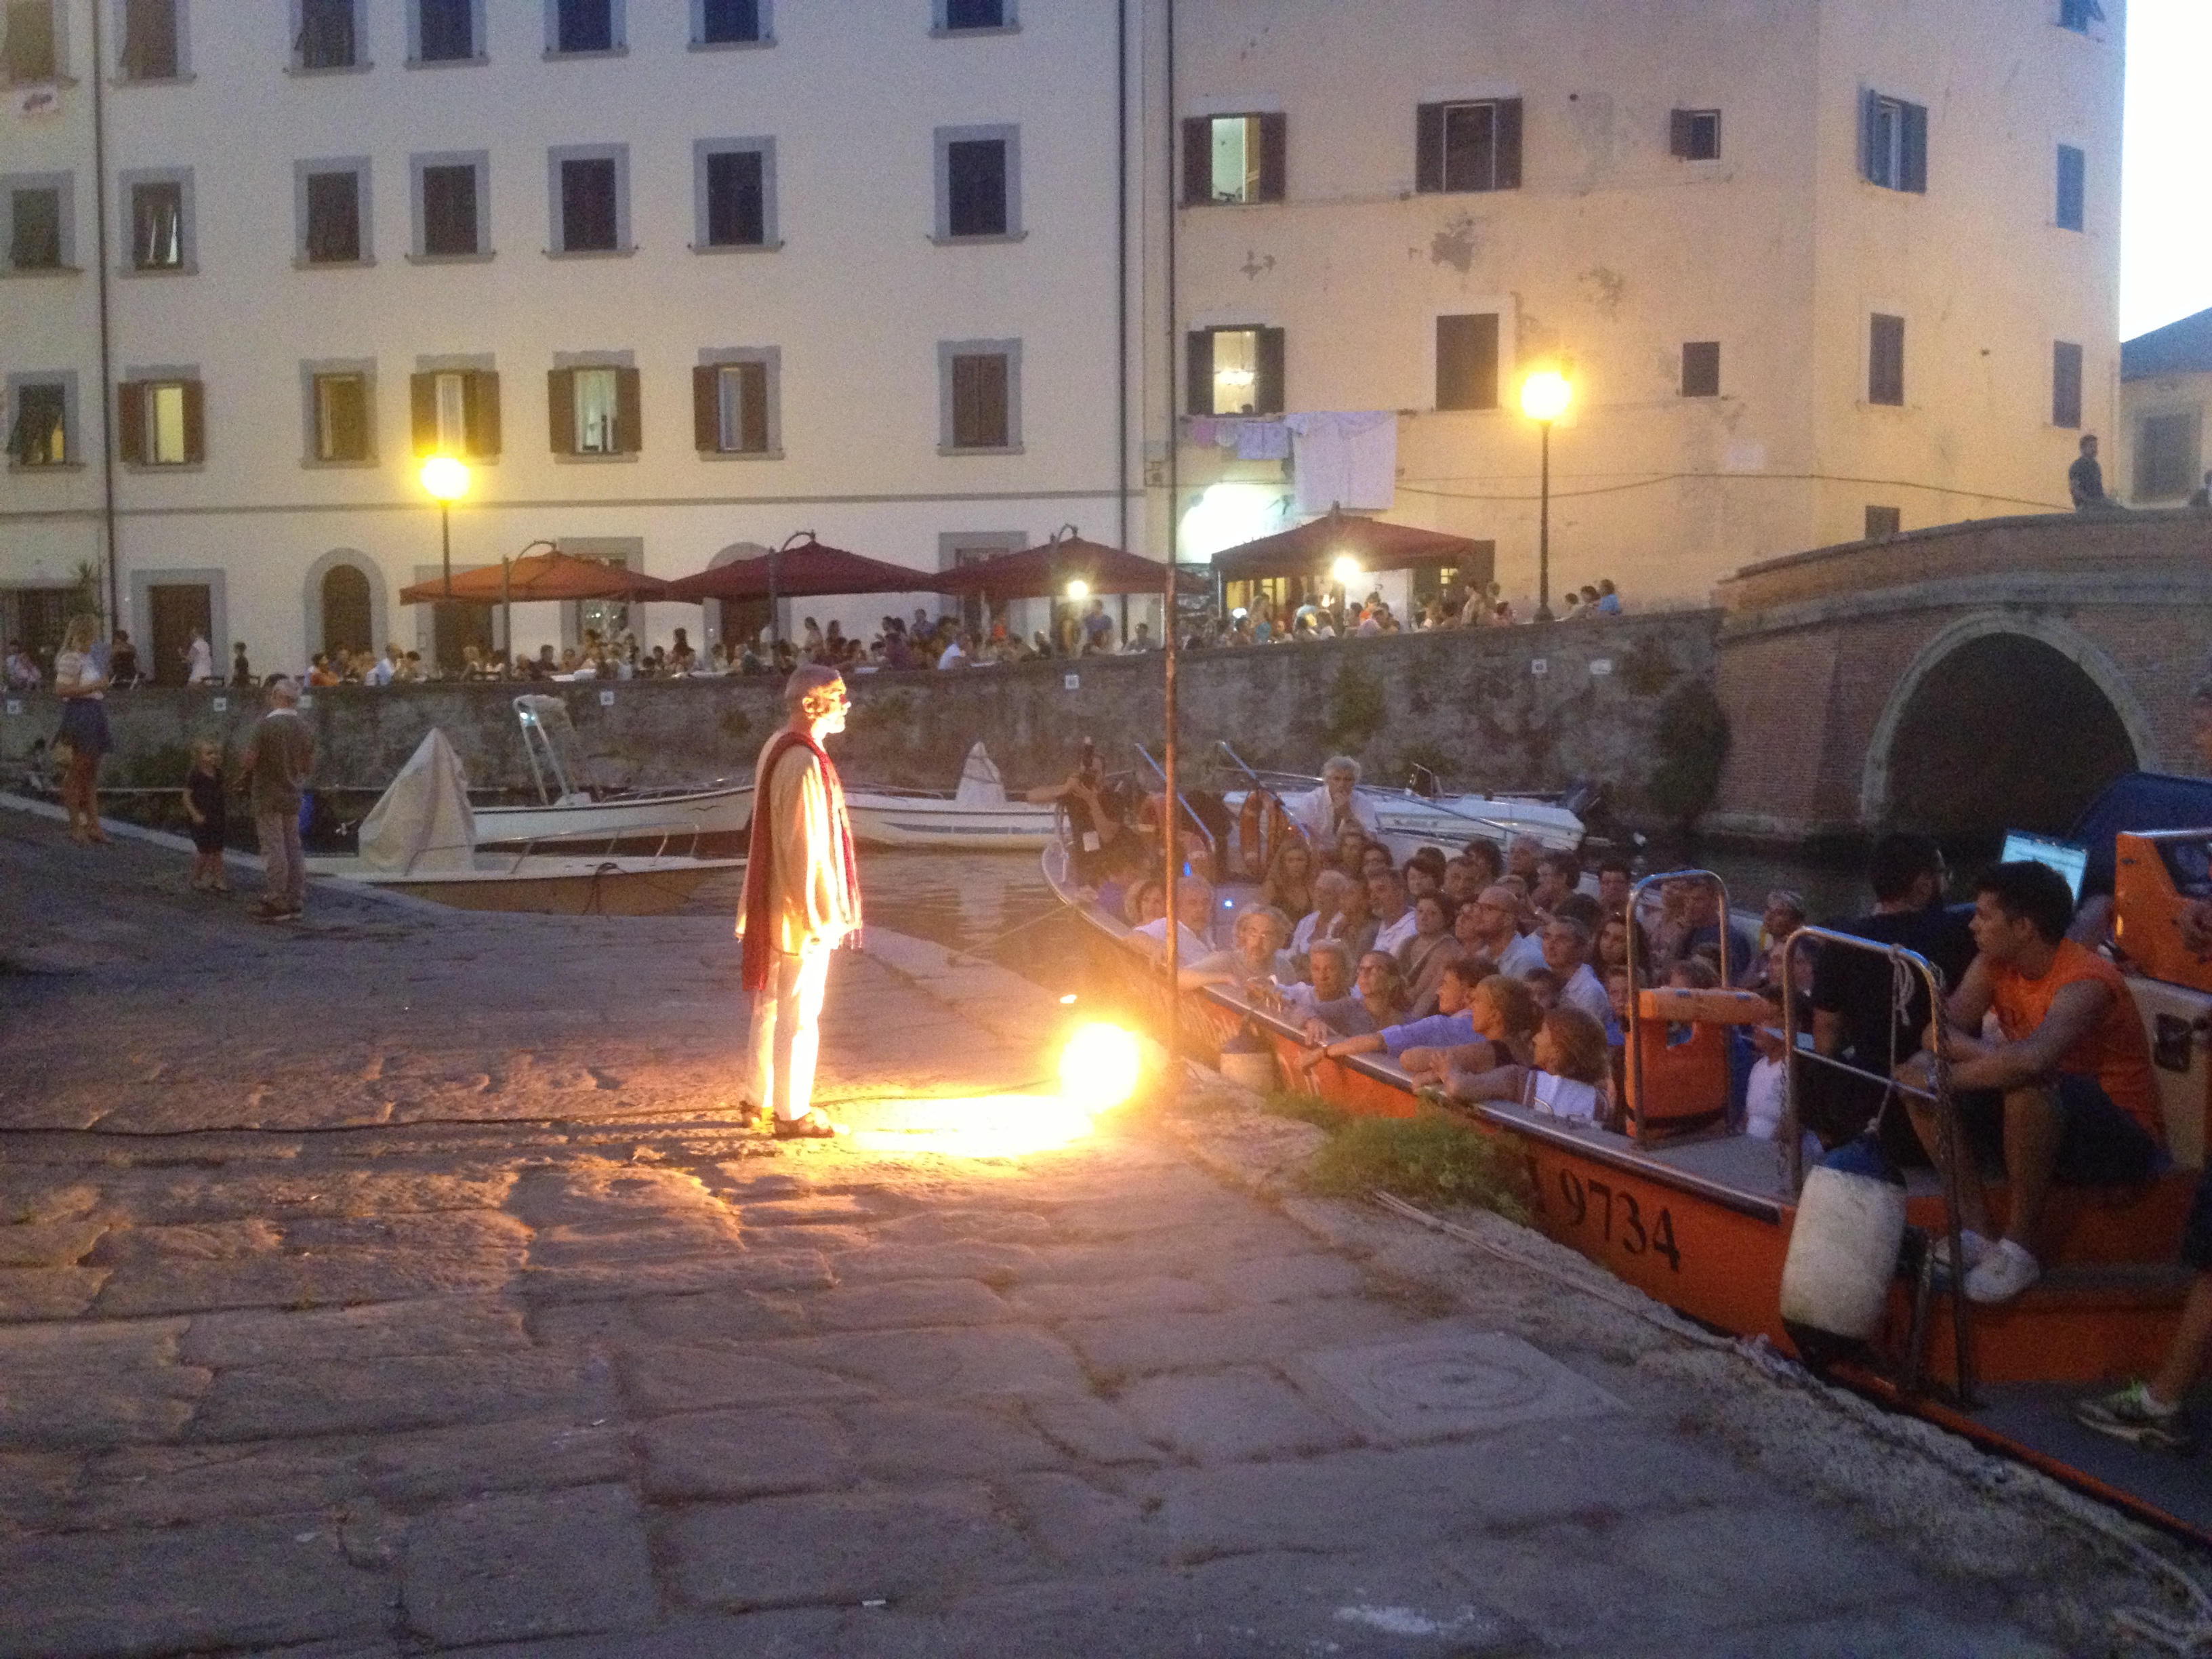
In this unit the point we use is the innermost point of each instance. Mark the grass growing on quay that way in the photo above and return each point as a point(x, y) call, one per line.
point(1430, 1159)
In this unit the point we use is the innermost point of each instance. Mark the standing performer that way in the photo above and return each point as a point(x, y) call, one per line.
point(802, 900)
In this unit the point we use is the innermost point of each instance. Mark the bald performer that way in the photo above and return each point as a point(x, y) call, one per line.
point(802, 900)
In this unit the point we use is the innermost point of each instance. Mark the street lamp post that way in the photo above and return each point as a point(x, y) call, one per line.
point(1544, 398)
point(775, 581)
point(446, 478)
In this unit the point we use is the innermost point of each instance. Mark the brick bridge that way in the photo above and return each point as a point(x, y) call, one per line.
point(1966, 679)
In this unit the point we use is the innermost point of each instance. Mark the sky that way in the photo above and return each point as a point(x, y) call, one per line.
point(2165, 217)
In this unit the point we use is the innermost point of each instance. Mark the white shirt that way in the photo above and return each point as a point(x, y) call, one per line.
point(1189, 948)
point(1563, 1097)
point(201, 669)
point(1521, 959)
point(1390, 935)
point(954, 657)
point(1316, 814)
point(1584, 991)
point(382, 673)
point(1763, 1099)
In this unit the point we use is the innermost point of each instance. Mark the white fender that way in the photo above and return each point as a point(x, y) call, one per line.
point(1843, 1253)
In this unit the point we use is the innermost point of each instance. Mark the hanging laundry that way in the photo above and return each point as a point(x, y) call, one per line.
point(1227, 433)
point(1346, 459)
point(1264, 440)
point(1202, 432)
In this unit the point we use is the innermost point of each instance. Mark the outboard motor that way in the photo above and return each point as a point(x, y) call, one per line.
point(1843, 1252)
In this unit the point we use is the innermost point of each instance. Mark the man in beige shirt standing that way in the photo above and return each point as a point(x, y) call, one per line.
point(802, 900)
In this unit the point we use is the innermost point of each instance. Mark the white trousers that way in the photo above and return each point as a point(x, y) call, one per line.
point(786, 1035)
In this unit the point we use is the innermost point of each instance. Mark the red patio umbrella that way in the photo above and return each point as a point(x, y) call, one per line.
point(810, 569)
point(536, 577)
point(1044, 573)
point(1313, 547)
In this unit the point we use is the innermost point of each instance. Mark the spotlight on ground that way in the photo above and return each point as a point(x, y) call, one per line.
point(1100, 1067)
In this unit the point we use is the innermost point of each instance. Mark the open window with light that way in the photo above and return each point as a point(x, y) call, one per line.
point(1230, 160)
point(1235, 371)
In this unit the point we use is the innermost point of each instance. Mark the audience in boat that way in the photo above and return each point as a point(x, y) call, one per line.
point(1489, 863)
point(1329, 888)
point(1566, 944)
point(1463, 879)
point(1522, 855)
point(1193, 918)
point(1611, 952)
point(2067, 1086)
point(1768, 1084)
point(1325, 813)
point(1856, 1013)
point(1425, 956)
point(1378, 999)
point(1452, 1025)
point(1567, 1073)
point(1557, 875)
point(1393, 916)
point(1328, 980)
point(1260, 932)
point(1616, 880)
point(1783, 915)
point(1543, 985)
point(1290, 884)
point(1505, 1018)
point(1424, 871)
point(1495, 932)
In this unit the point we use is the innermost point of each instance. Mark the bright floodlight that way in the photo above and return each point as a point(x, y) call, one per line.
point(1345, 570)
point(1545, 395)
point(446, 477)
point(1100, 1067)
point(1079, 589)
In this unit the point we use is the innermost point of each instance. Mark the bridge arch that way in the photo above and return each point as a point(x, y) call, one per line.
point(1968, 731)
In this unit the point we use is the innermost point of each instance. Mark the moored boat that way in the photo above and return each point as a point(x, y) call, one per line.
point(976, 817)
point(1702, 1218)
point(706, 818)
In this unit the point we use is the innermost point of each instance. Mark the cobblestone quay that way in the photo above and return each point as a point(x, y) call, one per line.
point(401, 1284)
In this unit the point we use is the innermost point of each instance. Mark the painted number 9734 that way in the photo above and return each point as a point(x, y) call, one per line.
point(1618, 1218)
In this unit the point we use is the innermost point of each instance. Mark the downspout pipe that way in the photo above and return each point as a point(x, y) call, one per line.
point(107, 387)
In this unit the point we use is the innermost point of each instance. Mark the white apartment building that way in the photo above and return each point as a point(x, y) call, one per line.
point(932, 279)
point(679, 278)
point(1816, 269)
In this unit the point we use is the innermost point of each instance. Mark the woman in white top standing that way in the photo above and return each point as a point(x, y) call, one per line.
point(199, 661)
point(82, 688)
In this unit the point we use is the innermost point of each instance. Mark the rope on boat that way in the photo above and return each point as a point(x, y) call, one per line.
point(2190, 1638)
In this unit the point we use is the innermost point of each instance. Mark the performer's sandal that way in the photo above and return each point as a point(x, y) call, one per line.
point(812, 1126)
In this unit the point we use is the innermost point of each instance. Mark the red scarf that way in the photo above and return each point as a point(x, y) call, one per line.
point(760, 949)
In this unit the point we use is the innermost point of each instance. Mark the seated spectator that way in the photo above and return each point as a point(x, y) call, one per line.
point(1261, 930)
point(1764, 1094)
point(1193, 917)
point(1463, 879)
point(1329, 981)
point(1582, 908)
point(1290, 884)
point(1424, 956)
point(1452, 1026)
point(1566, 953)
point(1608, 599)
point(1505, 1017)
point(1354, 925)
point(1378, 999)
point(1616, 880)
point(387, 668)
point(23, 671)
point(1393, 916)
point(319, 671)
point(1330, 887)
point(1373, 857)
point(1691, 922)
point(1347, 852)
point(1783, 915)
point(1613, 941)
point(1424, 871)
point(1544, 985)
point(1557, 875)
point(1325, 813)
point(1495, 932)
point(1523, 857)
point(1568, 1076)
point(1489, 863)
point(2069, 1082)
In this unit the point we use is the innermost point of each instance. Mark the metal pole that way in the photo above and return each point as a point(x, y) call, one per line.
point(446, 538)
point(1544, 534)
point(506, 614)
point(1171, 812)
point(108, 392)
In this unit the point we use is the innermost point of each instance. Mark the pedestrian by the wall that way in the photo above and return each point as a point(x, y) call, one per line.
point(2085, 480)
point(122, 660)
point(82, 688)
point(802, 900)
point(241, 671)
point(207, 811)
point(199, 660)
point(279, 760)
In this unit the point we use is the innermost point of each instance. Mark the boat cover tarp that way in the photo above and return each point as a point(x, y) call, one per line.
point(423, 823)
point(2137, 802)
point(980, 782)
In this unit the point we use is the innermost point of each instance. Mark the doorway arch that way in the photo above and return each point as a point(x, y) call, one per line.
point(344, 604)
point(2002, 723)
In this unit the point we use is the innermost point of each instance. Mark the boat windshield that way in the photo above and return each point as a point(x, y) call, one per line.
point(549, 739)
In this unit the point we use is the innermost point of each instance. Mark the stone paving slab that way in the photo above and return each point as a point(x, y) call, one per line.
point(419, 1291)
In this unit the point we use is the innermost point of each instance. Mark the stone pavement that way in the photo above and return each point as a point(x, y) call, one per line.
point(402, 1284)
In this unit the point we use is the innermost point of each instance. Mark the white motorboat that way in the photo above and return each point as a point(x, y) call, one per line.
point(421, 839)
point(976, 817)
point(706, 818)
point(1406, 821)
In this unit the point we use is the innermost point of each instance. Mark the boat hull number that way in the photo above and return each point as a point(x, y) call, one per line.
point(1614, 1214)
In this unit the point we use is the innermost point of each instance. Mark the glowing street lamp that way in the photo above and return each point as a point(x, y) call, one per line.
point(1345, 570)
point(1544, 397)
point(1079, 590)
point(446, 480)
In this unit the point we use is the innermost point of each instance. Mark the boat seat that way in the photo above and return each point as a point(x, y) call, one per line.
point(1683, 1007)
point(1681, 1085)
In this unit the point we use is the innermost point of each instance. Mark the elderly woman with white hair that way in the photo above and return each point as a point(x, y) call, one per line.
point(1326, 812)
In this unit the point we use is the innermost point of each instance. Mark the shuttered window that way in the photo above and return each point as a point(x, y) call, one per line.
point(455, 412)
point(2065, 384)
point(1235, 371)
point(1467, 147)
point(1694, 135)
point(1894, 144)
point(1885, 359)
point(730, 408)
point(2073, 206)
point(151, 40)
point(1230, 159)
point(450, 212)
point(1466, 360)
point(162, 422)
point(979, 402)
point(595, 409)
point(341, 421)
point(333, 228)
point(34, 229)
point(1701, 368)
point(30, 49)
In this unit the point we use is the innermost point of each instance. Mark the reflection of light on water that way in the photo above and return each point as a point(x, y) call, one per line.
point(977, 1126)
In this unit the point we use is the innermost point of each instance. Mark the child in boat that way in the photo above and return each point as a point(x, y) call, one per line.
point(1769, 1079)
point(204, 809)
point(1567, 1078)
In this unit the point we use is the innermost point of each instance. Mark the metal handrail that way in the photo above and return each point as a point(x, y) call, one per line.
point(1212, 846)
point(1939, 1094)
point(1635, 1067)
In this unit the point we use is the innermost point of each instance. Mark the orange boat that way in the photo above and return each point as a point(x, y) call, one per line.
point(1701, 1217)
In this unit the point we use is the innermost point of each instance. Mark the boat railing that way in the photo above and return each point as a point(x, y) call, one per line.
point(1641, 1134)
point(1904, 966)
point(1212, 846)
point(539, 747)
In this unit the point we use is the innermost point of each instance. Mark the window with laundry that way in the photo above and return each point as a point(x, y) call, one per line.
point(1235, 371)
point(1470, 146)
point(157, 225)
point(595, 409)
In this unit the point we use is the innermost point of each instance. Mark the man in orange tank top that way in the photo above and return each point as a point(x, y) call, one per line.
point(2070, 1082)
